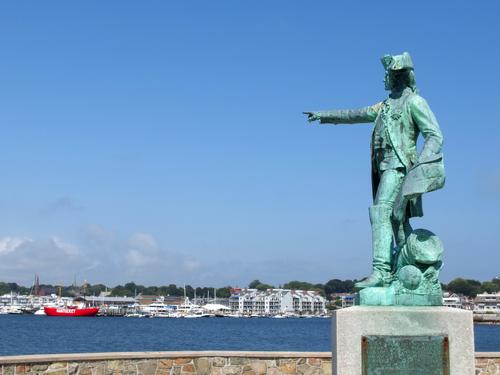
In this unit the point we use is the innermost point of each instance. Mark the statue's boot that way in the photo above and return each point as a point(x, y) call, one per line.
point(382, 247)
point(401, 232)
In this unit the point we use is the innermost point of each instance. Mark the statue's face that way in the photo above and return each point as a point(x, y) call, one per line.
point(395, 79)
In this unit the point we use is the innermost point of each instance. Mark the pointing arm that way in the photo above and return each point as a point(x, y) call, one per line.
point(348, 116)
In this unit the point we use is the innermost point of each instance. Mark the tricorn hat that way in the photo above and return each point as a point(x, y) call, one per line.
point(397, 62)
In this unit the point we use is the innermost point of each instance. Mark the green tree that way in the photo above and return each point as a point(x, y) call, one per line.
point(120, 291)
point(253, 284)
point(224, 292)
point(496, 280)
point(298, 285)
point(6, 288)
point(189, 291)
point(257, 284)
point(172, 290)
point(303, 285)
point(467, 287)
point(490, 287)
point(339, 286)
point(96, 289)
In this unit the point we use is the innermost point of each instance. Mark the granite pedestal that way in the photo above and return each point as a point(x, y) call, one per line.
point(402, 340)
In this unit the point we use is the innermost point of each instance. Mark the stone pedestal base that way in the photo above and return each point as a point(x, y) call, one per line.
point(397, 338)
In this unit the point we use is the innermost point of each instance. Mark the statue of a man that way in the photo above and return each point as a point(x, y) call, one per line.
point(399, 174)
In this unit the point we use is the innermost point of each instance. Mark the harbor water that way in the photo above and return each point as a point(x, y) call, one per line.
point(29, 334)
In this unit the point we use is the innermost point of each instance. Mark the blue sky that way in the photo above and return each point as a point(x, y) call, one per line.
point(163, 141)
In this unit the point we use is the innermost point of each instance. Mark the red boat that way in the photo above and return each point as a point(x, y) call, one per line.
point(71, 311)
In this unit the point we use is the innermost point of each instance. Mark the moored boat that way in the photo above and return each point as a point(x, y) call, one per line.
point(71, 311)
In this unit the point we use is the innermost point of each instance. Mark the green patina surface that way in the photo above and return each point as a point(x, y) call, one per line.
point(406, 262)
point(416, 355)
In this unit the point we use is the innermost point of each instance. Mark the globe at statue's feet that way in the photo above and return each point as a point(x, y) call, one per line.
point(375, 279)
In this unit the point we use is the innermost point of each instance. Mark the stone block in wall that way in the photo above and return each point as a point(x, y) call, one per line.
point(271, 363)
point(39, 367)
point(147, 367)
point(326, 367)
point(218, 361)
point(23, 369)
point(239, 361)
point(259, 366)
point(202, 366)
point(73, 368)
point(57, 366)
point(231, 370)
point(488, 367)
point(164, 366)
point(183, 361)
point(288, 366)
point(85, 369)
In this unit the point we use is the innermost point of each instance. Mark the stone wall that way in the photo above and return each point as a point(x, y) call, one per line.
point(191, 363)
point(488, 363)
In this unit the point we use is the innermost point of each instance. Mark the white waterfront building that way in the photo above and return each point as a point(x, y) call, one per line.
point(487, 302)
point(452, 300)
point(276, 302)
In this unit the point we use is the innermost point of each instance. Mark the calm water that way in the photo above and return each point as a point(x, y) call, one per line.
point(28, 334)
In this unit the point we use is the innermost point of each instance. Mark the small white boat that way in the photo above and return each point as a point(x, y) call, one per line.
point(192, 316)
point(198, 315)
point(161, 315)
point(133, 315)
point(175, 315)
point(15, 310)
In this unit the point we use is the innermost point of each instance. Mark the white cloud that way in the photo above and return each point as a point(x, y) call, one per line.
point(97, 234)
point(101, 256)
point(143, 241)
point(143, 251)
point(68, 248)
point(136, 259)
point(10, 244)
point(21, 258)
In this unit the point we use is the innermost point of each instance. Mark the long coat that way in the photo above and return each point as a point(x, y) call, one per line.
point(404, 118)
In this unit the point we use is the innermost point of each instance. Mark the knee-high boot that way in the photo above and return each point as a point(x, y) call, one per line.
point(382, 246)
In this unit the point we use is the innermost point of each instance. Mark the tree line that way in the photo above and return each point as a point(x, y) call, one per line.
point(467, 287)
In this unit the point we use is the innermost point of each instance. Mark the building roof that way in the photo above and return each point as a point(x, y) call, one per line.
point(110, 299)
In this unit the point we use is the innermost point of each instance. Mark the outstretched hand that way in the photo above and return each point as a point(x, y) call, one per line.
point(311, 116)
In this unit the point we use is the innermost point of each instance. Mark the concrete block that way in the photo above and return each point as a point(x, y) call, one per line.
point(351, 324)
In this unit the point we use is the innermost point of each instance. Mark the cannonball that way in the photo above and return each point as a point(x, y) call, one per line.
point(410, 277)
point(424, 247)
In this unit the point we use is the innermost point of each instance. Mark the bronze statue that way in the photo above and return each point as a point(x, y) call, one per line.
point(405, 262)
